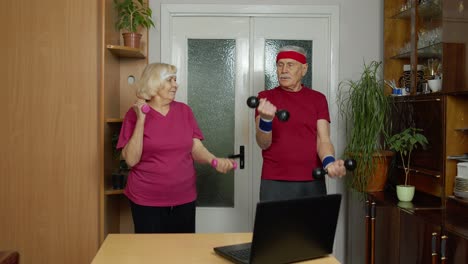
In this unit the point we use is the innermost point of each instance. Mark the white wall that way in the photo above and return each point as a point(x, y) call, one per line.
point(361, 39)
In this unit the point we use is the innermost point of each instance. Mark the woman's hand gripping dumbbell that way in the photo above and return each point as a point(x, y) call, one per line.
point(319, 173)
point(254, 102)
point(142, 105)
point(225, 166)
point(145, 108)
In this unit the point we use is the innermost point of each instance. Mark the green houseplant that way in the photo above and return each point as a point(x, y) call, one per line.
point(132, 15)
point(366, 109)
point(404, 143)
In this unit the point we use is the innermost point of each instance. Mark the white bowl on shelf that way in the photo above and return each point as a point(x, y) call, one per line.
point(435, 85)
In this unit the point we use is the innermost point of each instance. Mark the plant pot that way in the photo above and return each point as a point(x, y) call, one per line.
point(405, 193)
point(379, 178)
point(132, 39)
point(377, 181)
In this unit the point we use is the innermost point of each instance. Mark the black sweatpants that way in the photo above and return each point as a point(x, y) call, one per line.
point(285, 190)
point(171, 219)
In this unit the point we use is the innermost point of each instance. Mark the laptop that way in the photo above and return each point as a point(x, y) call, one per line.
point(288, 231)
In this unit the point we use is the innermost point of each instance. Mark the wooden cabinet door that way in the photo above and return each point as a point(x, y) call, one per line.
point(387, 225)
point(372, 233)
point(416, 239)
point(356, 225)
point(456, 249)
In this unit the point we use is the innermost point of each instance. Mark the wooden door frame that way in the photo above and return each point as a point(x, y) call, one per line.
point(331, 12)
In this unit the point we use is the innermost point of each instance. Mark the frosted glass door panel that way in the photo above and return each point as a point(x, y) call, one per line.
point(213, 67)
point(211, 94)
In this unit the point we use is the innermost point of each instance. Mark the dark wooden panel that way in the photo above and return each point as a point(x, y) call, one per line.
point(387, 236)
point(415, 239)
point(427, 113)
point(454, 67)
point(356, 228)
point(457, 249)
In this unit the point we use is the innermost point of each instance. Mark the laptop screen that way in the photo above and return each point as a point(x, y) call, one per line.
point(293, 230)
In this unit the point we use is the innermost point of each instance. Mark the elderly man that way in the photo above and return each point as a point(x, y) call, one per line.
point(292, 149)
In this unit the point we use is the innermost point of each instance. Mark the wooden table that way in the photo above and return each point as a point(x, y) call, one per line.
point(173, 248)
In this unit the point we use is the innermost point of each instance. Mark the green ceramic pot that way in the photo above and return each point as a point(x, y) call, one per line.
point(405, 193)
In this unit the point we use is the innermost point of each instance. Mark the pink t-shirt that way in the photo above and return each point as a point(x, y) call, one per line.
point(165, 175)
point(292, 155)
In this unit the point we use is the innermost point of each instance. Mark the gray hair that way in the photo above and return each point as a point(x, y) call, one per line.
point(298, 49)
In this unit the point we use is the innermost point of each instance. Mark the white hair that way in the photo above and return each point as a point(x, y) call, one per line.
point(293, 48)
point(153, 76)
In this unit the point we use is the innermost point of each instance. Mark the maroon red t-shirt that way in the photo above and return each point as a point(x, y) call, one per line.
point(165, 175)
point(292, 155)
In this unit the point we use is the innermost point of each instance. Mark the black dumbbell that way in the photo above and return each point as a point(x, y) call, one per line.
point(253, 102)
point(319, 173)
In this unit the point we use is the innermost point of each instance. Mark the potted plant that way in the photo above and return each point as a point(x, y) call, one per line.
point(366, 109)
point(132, 15)
point(404, 143)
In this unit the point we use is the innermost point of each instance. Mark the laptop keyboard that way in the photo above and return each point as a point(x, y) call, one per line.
point(243, 254)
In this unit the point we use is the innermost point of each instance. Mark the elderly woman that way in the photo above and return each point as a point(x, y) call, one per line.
point(160, 144)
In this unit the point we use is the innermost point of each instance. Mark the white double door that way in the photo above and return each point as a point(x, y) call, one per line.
point(250, 34)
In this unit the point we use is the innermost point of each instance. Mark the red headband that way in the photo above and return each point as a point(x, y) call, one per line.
point(291, 55)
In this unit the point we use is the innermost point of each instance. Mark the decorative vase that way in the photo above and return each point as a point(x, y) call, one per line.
point(405, 193)
point(132, 39)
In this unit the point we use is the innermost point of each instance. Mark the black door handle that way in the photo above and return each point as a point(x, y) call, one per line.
point(240, 156)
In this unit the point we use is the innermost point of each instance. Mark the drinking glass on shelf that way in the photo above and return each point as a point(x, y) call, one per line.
point(422, 38)
point(433, 66)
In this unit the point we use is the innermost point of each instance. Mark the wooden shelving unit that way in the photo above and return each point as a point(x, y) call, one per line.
point(114, 120)
point(116, 94)
point(413, 232)
point(126, 52)
point(113, 192)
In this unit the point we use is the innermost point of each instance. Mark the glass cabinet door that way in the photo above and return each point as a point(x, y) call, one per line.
point(397, 45)
point(429, 46)
point(454, 38)
point(416, 61)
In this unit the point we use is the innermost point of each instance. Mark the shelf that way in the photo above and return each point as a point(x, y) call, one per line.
point(431, 173)
point(462, 157)
point(463, 202)
point(421, 201)
point(431, 51)
point(463, 129)
point(405, 14)
point(428, 9)
point(114, 192)
point(114, 120)
point(126, 52)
